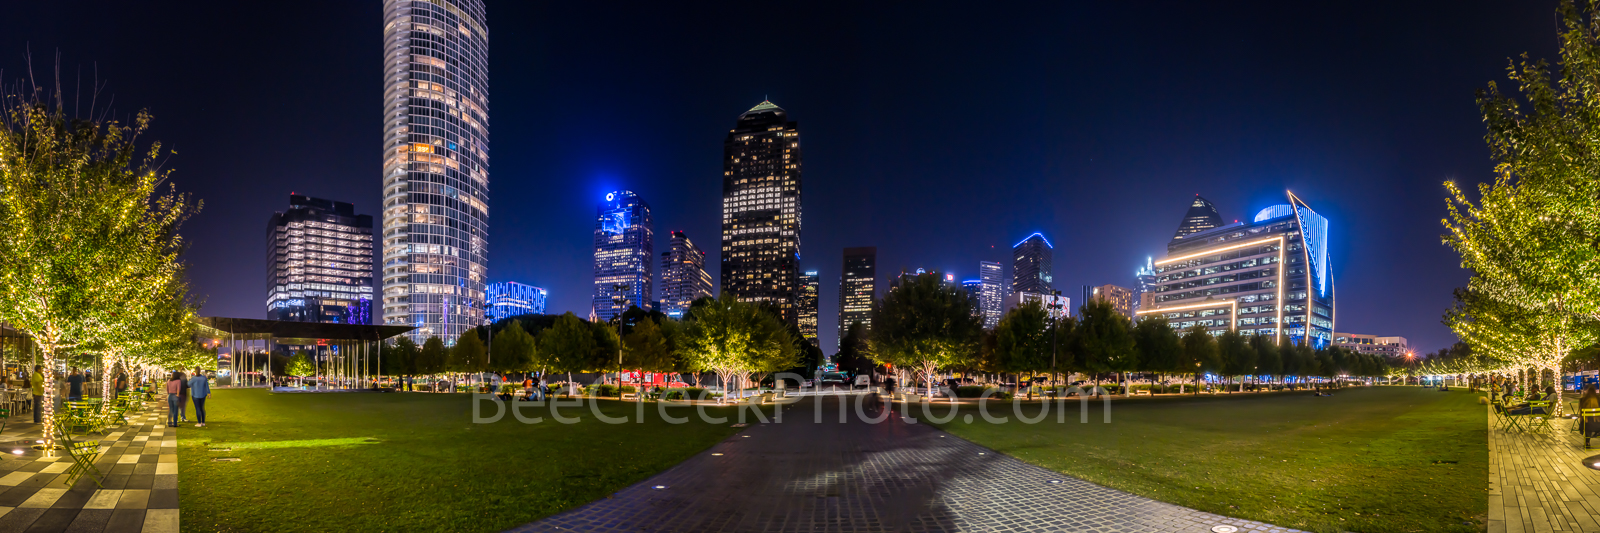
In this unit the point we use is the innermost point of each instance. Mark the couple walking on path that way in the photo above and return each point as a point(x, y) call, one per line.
point(197, 387)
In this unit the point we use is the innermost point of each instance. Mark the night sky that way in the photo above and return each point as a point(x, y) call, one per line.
point(940, 133)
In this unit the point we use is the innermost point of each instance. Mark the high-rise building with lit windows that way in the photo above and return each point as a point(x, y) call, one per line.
point(435, 165)
point(761, 209)
point(1120, 298)
point(319, 263)
point(509, 299)
point(991, 292)
point(1031, 264)
point(810, 287)
point(1268, 276)
point(1202, 216)
point(624, 255)
point(858, 282)
point(683, 275)
point(1146, 276)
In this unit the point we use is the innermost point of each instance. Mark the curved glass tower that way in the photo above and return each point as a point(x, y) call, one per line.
point(435, 165)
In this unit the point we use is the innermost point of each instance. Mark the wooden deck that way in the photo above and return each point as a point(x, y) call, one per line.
point(1538, 483)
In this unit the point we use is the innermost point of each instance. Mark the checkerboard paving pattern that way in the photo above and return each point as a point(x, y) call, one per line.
point(802, 475)
point(139, 468)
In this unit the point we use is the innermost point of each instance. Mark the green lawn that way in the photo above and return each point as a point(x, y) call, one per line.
point(1376, 459)
point(414, 462)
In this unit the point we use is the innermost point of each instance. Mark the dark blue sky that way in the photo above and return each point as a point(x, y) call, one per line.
point(939, 132)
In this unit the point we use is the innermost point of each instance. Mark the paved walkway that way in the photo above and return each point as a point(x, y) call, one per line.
point(1537, 481)
point(139, 464)
point(801, 475)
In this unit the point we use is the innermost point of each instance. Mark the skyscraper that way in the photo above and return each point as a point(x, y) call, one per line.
point(509, 299)
point(1120, 298)
point(1146, 276)
point(974, 288)
point(319, 263)
point(624, 255)
point(1269, 276)
point(810, 285)
point(761, 209)
point(435, 165)
point(1202, 216)
point(992, 293)
point(1030, 265)
point(683, 275)
point(857, 287)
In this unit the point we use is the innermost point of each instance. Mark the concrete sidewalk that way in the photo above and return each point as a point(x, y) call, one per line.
point(895, 476)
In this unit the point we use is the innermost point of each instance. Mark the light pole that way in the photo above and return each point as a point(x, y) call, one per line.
point(621, 297)
point(1055, 323)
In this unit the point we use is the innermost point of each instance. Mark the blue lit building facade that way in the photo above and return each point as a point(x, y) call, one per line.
point(509, 298)
point(319, 263)
point(623, 255)
point(1031, 260)
point(1268, 276)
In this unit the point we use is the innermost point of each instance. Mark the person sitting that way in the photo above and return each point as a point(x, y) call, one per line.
point(1525, 409)
point(1589, 424)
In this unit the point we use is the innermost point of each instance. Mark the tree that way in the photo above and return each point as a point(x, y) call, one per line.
point(924, 324)
point(646, 348)
point(568, 345)
point(431, 360)
point(468, 354)
point(300, 365)
point(1532, 238)
point(513, 349)
point(1159, 346)
point(730, 337)
point(852, 355)
point(1102, 340)
point(401, 359)
point(1235, 355)
point(1199, 353)
point(87, 235)
point(1023, 339)
point(1267, 360)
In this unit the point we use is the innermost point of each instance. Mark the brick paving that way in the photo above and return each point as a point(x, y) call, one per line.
point(896, 476)
point(139, 471)
point(1537, 481)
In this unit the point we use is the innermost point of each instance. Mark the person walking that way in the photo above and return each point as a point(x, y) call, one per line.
point(174, 398)
point(199, 389)
point(183, 396)
point(36, 382)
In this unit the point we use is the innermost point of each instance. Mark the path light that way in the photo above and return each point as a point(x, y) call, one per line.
point(718, 454)
point(659, 487)
point(1592, 462)
point(16, 452)
point(1223, 529)
point(980, 453)
point(1055, 481)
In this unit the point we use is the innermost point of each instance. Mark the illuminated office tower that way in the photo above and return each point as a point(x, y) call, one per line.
point(623, 255)
point(1146, 275)
point(319, 263)
point(509, 299)
point(991, 293)
point(1030, 265)
point(810, 285)
point(1120, 298)
point(683, 275)
point(974, 289)
point(1202, 216)
point(761, 209)
point(857, 287)
point(1269, 276)
point(435, 166)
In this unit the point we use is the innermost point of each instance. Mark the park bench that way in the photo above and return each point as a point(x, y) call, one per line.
point(83, 454)
point(630, 396)
point(913, 397)
point(1145, 392)
point(766, 397)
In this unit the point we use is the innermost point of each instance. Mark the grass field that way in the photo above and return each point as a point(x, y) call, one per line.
point(1376, 459)
point(413, 462)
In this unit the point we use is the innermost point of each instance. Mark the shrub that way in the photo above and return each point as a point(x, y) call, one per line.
point(605, 389)
point(975, 391)
point(687, 393)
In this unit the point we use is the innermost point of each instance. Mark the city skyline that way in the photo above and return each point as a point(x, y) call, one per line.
point(1252, 129)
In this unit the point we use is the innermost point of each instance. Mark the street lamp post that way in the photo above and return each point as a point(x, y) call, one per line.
point(621, 297)
point(1055, 323)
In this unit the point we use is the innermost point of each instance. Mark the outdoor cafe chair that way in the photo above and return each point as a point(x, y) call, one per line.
point(1539, 421)
point(1582, 414)
point(1507, 421)
point(83, 454)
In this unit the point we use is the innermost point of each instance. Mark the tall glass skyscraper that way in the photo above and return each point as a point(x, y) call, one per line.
point(1269, 276)
point(761, 209)
point(991, 292)
point(858, 282)
point(1202, 216)
point(435, 165)
point(683, 276)
point(319, 263)
point(623, 255)
point(810, 287)
point(1030, 265)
